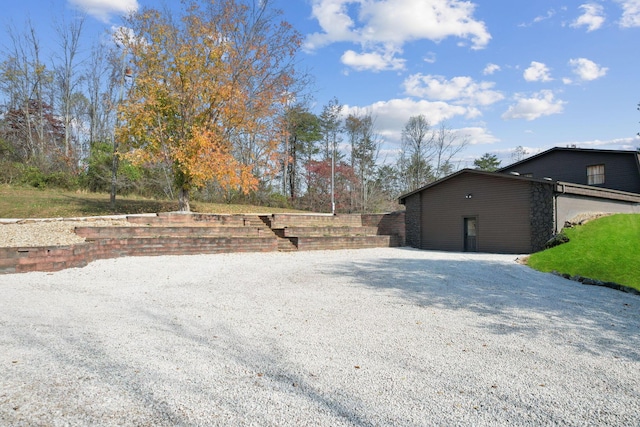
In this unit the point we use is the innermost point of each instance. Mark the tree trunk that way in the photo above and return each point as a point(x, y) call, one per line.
point(183, 200)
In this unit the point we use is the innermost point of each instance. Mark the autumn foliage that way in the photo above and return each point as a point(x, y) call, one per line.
point(220, 71)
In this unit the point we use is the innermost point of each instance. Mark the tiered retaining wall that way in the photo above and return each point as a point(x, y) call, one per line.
point(210, 234)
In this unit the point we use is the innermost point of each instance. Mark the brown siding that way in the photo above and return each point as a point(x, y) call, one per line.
point(502, 208)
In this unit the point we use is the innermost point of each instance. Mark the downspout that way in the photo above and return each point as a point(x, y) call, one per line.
point(555, 197)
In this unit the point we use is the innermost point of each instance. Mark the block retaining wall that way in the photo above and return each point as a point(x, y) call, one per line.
point(150, 241)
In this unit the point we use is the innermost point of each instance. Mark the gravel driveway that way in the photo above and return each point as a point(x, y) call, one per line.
point(372, 337)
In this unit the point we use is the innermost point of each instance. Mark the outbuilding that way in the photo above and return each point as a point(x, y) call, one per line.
point(479, 211)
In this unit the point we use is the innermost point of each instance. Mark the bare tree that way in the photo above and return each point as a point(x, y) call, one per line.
point(519, 153)
point(67, 76)
point(365, 147)
point(24, 80)
point(446, 144)
point(416, 153)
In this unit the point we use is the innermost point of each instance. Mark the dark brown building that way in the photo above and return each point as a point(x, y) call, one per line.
point(617, 170)
point(472, 210)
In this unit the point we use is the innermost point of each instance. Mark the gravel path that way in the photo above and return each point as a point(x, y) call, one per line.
point(372, 337)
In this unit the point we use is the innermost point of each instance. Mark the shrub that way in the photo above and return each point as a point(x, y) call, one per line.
point(556, 240)
point(63, 180)
point(33, 177)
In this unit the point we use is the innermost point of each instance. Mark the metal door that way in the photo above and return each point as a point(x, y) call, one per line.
point(470, 234)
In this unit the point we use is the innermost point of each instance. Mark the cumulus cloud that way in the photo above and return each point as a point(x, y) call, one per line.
point(587, 70)
point(392, 115)
point(477, 135)
point(104, 9)
point(460, 90)
point(592, 17)
point(630, 13)
point(374, 61)
point(537, 72)
point(540, 104)
point(490, 69)
point(386, 25)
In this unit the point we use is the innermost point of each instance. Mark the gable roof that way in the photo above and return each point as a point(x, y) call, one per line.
point(575, 150)
point(559, 186)
point(474, 172)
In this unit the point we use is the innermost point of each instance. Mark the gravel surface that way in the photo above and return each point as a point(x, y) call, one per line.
point(30, 233)
point(371, 337)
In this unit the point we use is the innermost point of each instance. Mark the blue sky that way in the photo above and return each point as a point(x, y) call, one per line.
point(500, 74)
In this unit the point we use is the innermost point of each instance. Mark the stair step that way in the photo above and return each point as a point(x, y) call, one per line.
point(329, 231)
point(94, 233)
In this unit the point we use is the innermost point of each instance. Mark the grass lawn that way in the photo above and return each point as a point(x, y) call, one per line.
point(27, 202)
point(606, 249)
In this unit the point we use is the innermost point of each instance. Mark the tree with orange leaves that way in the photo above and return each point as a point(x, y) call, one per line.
point(223, 68)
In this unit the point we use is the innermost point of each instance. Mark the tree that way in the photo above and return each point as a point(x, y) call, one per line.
point(488, 162)
point(446, 145)
point(26, 81)
point(303, 133)
point(218, 72)
point(416, 153)
point(331, 125)
point(365, 146)
point(319, 196)
point(68, 78)
point(519, 153)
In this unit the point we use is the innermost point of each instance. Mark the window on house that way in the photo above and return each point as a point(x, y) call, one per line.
point(595, 174)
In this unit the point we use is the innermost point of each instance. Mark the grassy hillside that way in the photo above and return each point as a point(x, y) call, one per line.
point(27, 202)
point(606, 249)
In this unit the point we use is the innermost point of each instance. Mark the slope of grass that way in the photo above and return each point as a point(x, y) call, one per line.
point(606, 249)
point(27, 202)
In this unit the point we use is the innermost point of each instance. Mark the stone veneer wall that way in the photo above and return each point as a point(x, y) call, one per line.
point(412, 220)
point(542, 223)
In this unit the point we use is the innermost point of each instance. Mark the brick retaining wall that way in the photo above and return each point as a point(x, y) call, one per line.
point(210, 234)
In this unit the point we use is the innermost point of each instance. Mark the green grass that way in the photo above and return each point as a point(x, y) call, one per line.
point(27, 202)
point(606, 249)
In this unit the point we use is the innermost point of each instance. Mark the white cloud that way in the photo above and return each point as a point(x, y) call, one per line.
point(477, 135)
point(103, 9)
point(540, 104)
point(125, 37)
point(392, 115)
point(490, 69)
point(630, 13)
point(592, 17)
point(550, 14)
point(375, 61)
point(430, 58)
point(461, 90)
point(586, 69)
point(537, 72)
point(386, 25)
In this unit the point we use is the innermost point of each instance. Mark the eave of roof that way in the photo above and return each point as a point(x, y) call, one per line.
point(475, 172)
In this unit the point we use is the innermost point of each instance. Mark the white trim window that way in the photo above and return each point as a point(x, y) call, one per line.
point(595, 174)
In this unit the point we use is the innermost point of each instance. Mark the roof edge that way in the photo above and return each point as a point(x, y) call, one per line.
point(583, 150)
point(476, 172)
